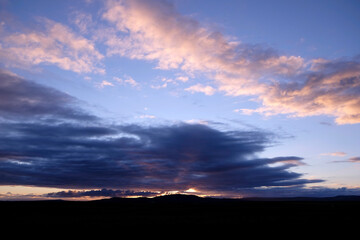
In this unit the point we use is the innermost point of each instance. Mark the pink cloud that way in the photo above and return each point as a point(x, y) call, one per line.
point(333, 90)
point(155, 31)
point(126, 80)
point(207, 90)
point(56, 44)
point(105, 83)
point(335, 154)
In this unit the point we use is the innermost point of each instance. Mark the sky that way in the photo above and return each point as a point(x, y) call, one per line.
point(147, 97)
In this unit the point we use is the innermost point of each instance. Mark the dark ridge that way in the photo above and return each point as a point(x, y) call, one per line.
point(171, 198)
point(180, 210)
point(178, 198)
point(122, 200)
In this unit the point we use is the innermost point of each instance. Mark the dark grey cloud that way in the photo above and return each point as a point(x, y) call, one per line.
point(100, 193)
point(349, 160)
point(80, 153)
point(23, 98)
point(164, 158)
point(354, 159)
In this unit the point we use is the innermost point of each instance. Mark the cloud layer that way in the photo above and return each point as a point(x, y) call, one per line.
point(155, 31)
point(80, 151)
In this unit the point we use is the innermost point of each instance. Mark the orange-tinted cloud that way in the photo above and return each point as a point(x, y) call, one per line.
point(333, 89)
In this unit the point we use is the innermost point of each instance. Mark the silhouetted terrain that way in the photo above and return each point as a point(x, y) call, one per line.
point(184, 210)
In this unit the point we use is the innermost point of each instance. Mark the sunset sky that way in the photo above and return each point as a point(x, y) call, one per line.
point(230, 98)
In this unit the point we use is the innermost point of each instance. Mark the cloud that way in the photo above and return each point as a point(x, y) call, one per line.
point(155, 158)
point(100, 193)
point(182, 78)
point(355, 159)
point(333, 88)
point(23, 99)
point(335, 154)
point(197, 121)
point(83, 21)
point(56, 44)
point(75, 151)
point(155, 31)
point(207, 90)
point(291, 85)
point(349, 160)
point(79, 151)
point(274, 192)
point(105, 83)
point(325, 123)
point(126, 80)
point(164, 83)
point(147, 116)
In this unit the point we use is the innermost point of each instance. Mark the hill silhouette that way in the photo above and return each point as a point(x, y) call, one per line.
point(184, 210)
point(187, 198)
point(170, 198)
point(179, 198)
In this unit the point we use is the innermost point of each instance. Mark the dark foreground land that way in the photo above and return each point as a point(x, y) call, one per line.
point(184, 210)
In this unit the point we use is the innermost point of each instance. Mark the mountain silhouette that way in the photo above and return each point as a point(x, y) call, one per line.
point(186, 198)
point(180, 210)
point(178, 198)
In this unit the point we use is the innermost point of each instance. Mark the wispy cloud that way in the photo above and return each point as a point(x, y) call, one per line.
point(182, 78)
point(147, 116)
point(207, 90)
point(349, 160)
point(197, 121)
point(56, 44)
point(105, 83)
point(83, 21)
point(332, 88)
point(335, 154)
point(154, 30)
point(355, 159)
point(126, 80)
